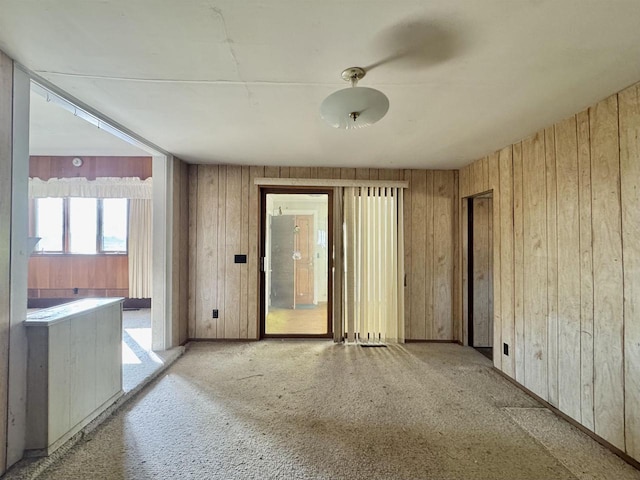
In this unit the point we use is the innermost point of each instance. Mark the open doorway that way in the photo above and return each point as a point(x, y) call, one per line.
point(295, 251)
point(89, 222)
point(480, 273)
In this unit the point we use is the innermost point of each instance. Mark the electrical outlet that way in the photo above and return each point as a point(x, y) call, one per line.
point(214, 314)
point(505, 349)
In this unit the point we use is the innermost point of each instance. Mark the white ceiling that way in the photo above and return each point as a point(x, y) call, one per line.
point(56, 131)
point(229, 81)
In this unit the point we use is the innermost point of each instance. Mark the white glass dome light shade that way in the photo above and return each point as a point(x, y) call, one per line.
point(367, 105)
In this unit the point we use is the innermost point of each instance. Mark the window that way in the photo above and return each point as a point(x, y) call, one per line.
point(87, 226)
point(49, 218)
point(83, 225)
point(114, 225)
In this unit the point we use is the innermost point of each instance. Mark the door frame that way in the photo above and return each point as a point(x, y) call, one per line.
point(467, 267)
point(264, 191)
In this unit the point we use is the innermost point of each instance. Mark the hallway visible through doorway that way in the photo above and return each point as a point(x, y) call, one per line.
point(311, 319)
point(480, 273)
point(295, 250)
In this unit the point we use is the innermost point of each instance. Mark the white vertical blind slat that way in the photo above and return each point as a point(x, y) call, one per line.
point(375, 270)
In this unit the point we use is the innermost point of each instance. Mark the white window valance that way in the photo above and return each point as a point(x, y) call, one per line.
point(101, 187)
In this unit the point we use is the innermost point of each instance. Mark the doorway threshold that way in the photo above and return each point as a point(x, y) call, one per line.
point(486, 351)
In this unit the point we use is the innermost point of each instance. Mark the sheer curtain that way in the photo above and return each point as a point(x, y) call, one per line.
point(374, 264)
point(140, 248)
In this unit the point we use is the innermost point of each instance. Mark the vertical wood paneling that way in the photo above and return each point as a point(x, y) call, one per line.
point(568, 221)
point(181, 253)
point(232, 246)
point(443, 268)
point(463, 180)
point(206, 251)
point(285, 172)
point(418, 303)
point(254, 254)
point(392, 174)
point(608, 302)
point(496, 297)
point(46, 167)
point(222, 250)
point(506, 260)
point(348, 173)
point(455, 294)
point(484, 165)
point(586, 270)
point(193, 248)
point(552, 266)
point(629, 104)
point(272, 172)
point(569, 230)
point(408, 242)
point(300, 172)
point(234, 228)
point(518, 263)
point(479, 176)
point(325, 172)
point(175, 252)
point(78, 271)
point(363, 174)
point(535, 264)
point(475, 177)
point(244, 249)
point(429, 254)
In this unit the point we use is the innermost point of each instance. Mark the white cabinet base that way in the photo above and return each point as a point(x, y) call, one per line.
point(74, 369)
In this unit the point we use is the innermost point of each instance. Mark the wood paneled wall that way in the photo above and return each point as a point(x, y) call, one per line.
point(92, 167)
point(567, 264)
point(180, 257)
point(53, 276)
point(6, 128)
point(224, 220)
point(430, 260)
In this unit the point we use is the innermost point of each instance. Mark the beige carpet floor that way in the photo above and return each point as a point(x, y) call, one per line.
point(316, 410)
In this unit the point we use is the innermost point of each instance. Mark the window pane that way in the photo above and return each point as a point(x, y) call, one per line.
point(49, 220)
point(114, 225)
point(83, 224)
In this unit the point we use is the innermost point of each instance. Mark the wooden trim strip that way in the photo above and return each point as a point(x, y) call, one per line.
point(631, 461)
point(413, 340)
point(329, 182)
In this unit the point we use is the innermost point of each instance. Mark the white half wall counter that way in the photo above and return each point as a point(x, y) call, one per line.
point(74, 369)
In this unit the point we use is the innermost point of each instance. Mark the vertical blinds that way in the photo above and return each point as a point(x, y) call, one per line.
point(374, 264)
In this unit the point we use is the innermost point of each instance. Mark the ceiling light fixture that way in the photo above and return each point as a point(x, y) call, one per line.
point(354, 107)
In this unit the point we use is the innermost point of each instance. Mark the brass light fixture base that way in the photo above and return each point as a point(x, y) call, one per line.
point(353, 74)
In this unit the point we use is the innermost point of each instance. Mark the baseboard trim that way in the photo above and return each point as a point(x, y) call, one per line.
point(220, 340)
point(630, 460)
point(411, 340)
